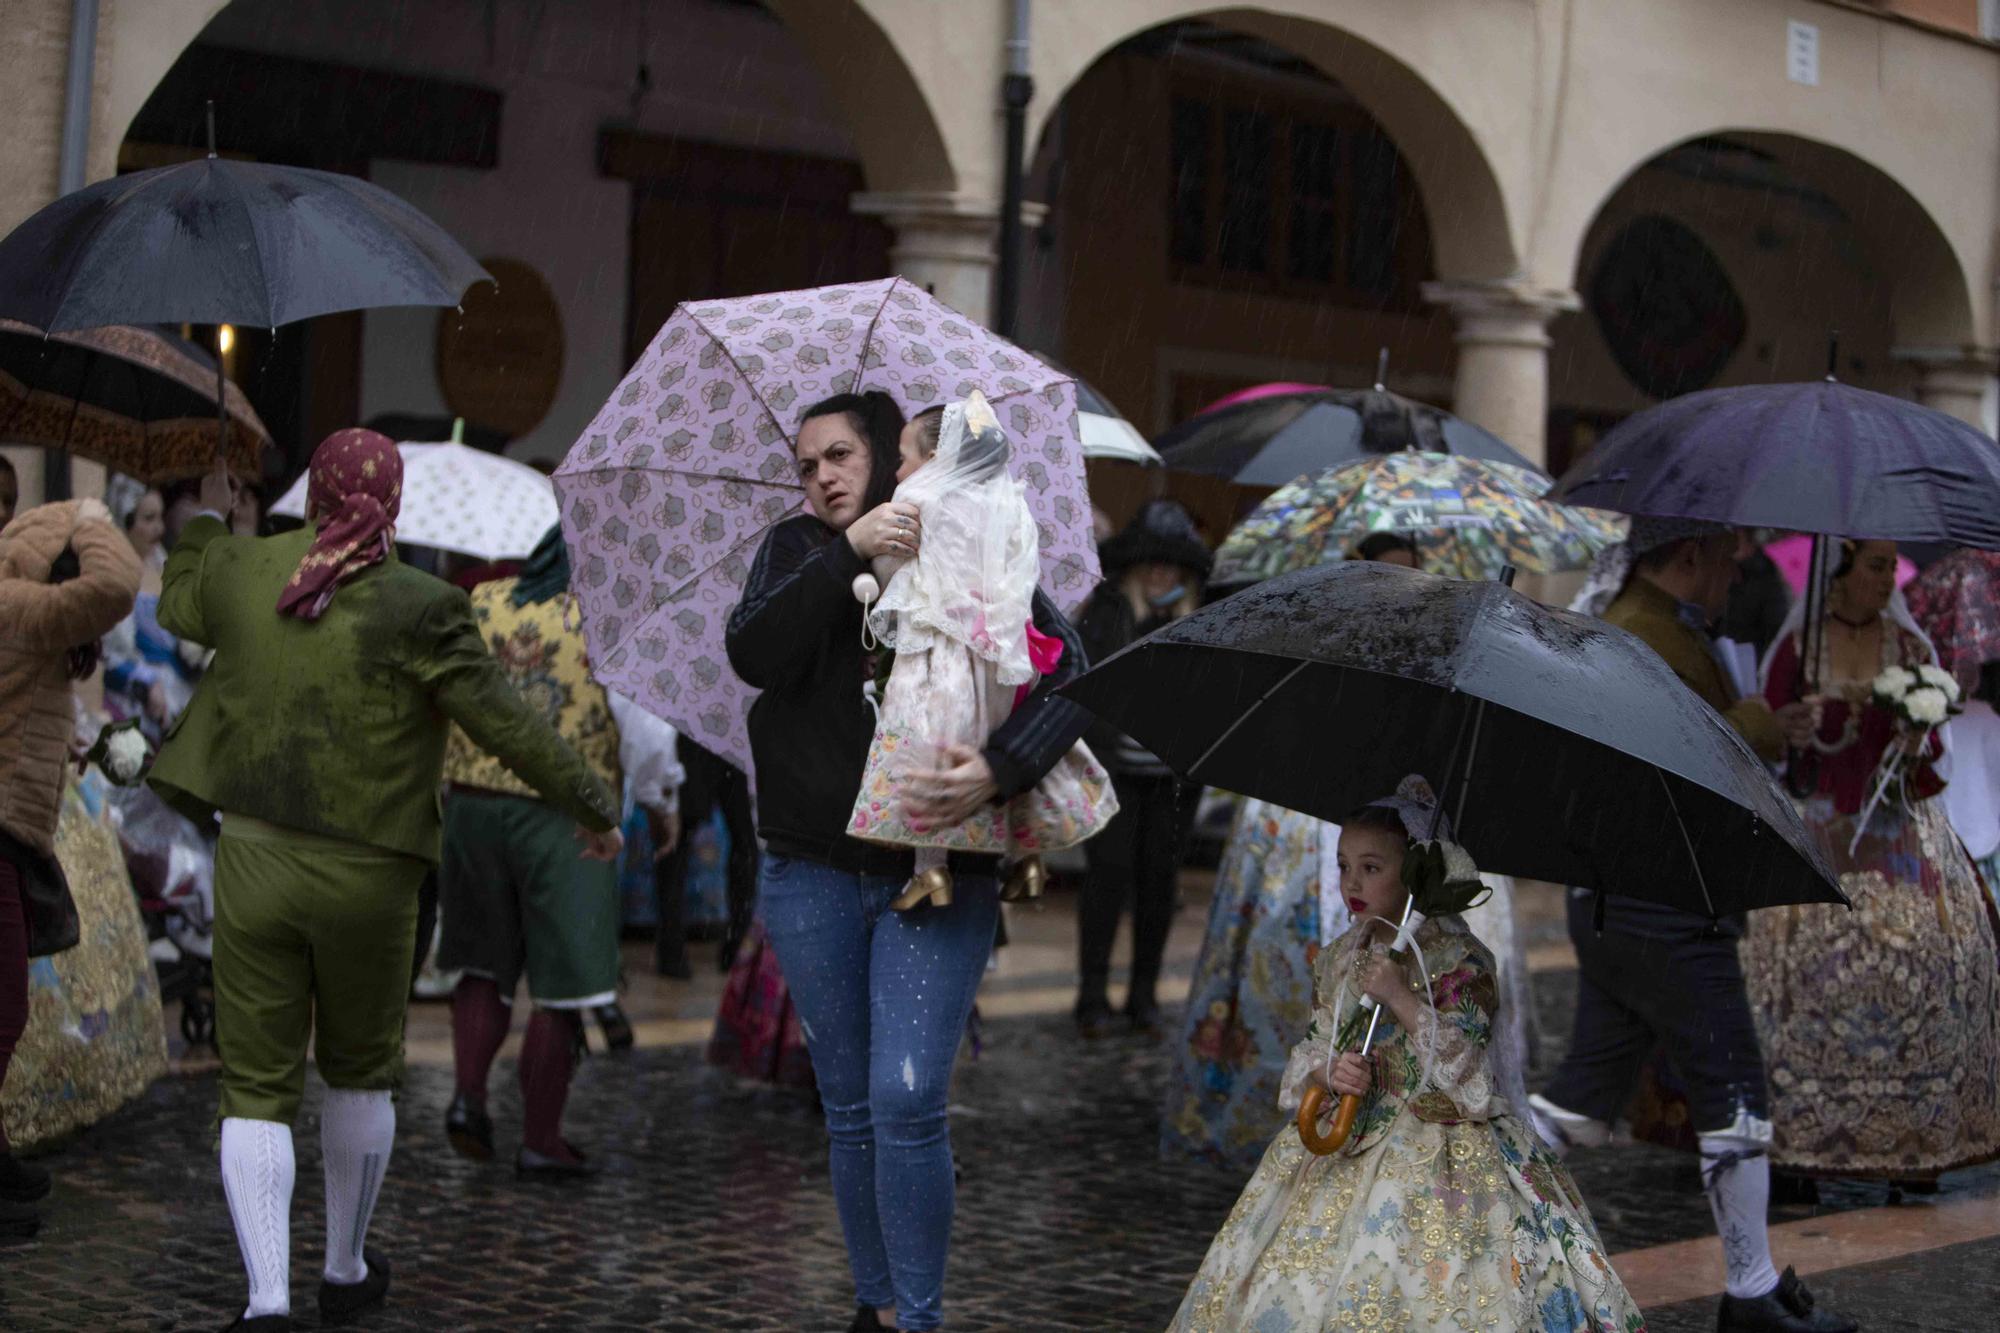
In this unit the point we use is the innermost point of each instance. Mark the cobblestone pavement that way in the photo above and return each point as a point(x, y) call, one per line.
point(714, 1212)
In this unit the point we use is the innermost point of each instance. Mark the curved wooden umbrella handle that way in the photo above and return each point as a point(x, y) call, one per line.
point(1322, 1145)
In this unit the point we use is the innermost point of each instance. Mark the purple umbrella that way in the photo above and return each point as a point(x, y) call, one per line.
point(668, 493)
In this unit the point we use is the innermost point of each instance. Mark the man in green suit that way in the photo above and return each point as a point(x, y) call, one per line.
point(318, 739)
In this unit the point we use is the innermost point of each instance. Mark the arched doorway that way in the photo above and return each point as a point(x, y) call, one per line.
point(1223, 211)
point(629, 156)
point(1735, 258)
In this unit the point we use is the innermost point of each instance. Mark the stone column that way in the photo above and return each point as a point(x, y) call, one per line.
point(1502, 380)
point(945, 242)
point(1954, 380)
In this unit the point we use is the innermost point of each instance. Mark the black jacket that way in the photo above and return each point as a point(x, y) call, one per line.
point(796, 635)
point(1107, 625)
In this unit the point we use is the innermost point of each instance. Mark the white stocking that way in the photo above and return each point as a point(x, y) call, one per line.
point(1737, 1176)
point(257, 1172)
point(357, 1130)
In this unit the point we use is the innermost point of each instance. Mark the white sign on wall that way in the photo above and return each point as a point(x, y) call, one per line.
point(1802, 53)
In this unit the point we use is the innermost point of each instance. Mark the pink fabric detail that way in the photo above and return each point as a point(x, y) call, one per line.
point(1045, 653)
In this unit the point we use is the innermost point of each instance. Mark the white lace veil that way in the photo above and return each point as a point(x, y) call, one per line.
point(973, 579)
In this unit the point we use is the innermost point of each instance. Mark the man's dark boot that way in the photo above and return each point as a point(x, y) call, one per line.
point(1786, 1308)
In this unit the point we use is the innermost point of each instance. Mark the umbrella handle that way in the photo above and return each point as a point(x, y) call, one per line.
point(1318, 1144)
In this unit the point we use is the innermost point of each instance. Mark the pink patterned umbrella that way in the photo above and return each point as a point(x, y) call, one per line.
point(669, 491)
point(1957, 601)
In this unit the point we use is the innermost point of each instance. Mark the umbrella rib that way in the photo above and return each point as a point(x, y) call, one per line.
point(1686, 841)
point(1245, 716)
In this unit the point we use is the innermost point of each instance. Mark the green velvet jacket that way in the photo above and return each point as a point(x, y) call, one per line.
point(338, 727)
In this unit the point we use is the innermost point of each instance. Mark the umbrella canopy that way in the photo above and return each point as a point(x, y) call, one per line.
point(457, 498)
point(1256, 391)
point(1113, 437)
point(669, 492)
point(225, 242)
point(1470, 519)
point(1821, 457)
point(1580, 758)
point(1282, 436)
point(1957, 601)
point(137, 400)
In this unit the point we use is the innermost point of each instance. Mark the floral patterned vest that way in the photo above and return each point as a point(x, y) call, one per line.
point(546, 663)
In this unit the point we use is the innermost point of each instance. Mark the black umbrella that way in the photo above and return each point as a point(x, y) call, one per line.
point(222, 242)
point(1279, 438)
point(1567, 749)
point(1820, 457)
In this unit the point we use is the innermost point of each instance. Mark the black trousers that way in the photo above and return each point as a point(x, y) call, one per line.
point(1681, 990)
point(712, 783)
point(1134, 860)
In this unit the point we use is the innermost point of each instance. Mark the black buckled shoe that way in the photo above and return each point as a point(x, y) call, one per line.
point(22, 1182)
point(263, 1323)
point(344, 1302)
point(1786, 1308)
point(532, 1165)
point(866, 1321)
point(469, 1128)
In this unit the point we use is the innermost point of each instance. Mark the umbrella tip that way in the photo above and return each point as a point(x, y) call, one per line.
point(1507, 577)
point(1381, 370)
point(458, 430)
point(1833, 358)
point(211, 127)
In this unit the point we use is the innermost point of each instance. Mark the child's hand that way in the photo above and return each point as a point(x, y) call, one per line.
point(1381, 979)
point(1352, 1076)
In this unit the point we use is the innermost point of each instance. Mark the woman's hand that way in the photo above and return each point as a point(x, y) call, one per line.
point(887, 529)
point(1352, 1076)
point(1381, 979)
point(960, 785)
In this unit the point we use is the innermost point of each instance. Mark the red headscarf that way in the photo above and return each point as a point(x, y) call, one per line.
point(355, 493)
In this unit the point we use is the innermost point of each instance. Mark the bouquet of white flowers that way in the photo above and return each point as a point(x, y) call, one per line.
point(121, 753)
point(1921, 700)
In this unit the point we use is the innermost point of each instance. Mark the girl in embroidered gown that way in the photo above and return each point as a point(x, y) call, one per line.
point(1442, 1209)
point(1880, 1024)
point(958, 617)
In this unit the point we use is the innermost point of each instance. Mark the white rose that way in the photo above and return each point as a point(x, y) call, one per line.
point(125, 754)
point(1927, 705)
point(1939, 679)
point(1894, 682)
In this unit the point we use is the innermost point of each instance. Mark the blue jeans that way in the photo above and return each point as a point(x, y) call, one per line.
point(883, 997)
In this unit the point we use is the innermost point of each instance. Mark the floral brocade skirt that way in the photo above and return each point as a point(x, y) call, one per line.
point(1463, 1226)
point(1881, 1025)
point(943, 696)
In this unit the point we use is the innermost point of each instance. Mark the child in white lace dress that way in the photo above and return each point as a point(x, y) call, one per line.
point(958, 616)
point(1442, 1209)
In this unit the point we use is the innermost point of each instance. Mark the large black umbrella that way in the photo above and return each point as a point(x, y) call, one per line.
point(137, 400)
point(223, 242)
point(1820, 457)
point(1280, 437)
point(1565, 749)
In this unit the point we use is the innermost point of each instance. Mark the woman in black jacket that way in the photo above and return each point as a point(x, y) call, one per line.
point(884, 996)
point(1153, 572)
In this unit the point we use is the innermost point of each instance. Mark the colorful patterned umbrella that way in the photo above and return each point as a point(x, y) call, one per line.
point(668, 493)
point(1469, 518)
point(1957, 601)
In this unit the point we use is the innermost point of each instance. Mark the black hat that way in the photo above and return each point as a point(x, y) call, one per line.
point(1161, 531)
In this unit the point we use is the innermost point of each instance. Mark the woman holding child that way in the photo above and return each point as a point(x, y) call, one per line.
point(884, 994)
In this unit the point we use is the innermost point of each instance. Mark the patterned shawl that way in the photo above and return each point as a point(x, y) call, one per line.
point(355, 493)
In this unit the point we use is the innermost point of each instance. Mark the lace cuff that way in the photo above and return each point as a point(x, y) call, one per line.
point(1307, 1057)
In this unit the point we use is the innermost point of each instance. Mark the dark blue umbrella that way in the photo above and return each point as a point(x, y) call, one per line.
point(224, 242)
point(1820, 457)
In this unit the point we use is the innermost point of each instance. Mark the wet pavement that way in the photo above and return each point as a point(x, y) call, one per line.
point(714, 1212)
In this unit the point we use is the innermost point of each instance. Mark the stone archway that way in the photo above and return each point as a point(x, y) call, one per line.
point(1736, 256)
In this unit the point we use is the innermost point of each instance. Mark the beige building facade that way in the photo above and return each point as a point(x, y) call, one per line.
point(1550, 212)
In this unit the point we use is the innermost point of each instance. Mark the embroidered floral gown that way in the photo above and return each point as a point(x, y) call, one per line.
point(1441, 1211)
point(1881, 1024)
